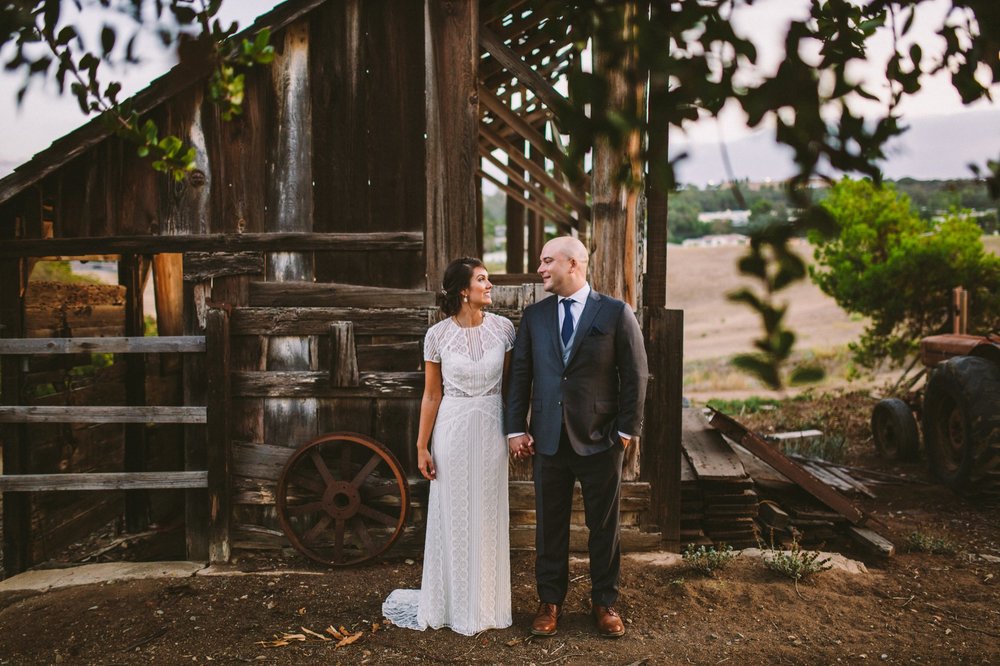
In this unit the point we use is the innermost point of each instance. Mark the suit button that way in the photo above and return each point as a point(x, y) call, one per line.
point(565, 378)
point(559, 403)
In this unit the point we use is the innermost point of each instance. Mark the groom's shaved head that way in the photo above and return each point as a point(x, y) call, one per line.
point(563, 265)
point(571, 248)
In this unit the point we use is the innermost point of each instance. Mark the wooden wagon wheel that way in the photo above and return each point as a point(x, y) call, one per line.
point(342, 499)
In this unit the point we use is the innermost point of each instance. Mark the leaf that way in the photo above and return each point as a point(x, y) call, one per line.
point(313, 633)
point(108, 38)
point(333, 632)
point(350, 639)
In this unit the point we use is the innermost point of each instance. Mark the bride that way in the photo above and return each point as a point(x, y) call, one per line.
point(462, 451)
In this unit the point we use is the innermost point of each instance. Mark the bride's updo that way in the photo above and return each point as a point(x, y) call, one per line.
point(457, 276)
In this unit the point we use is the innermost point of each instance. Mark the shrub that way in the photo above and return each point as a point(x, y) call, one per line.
point(708, 560)
point(795, 563)
point(918, 542)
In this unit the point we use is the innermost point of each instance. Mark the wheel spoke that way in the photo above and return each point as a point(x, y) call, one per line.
point(305, 482)
point(317, 529)
point(321, 467)
point(376, 515)
point(366, 470)
point(361, 530)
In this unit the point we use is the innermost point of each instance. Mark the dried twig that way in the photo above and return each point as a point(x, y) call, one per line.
point(565, 656)
point(142, 641)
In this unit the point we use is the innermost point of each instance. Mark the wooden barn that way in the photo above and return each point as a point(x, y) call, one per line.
point(294, 273)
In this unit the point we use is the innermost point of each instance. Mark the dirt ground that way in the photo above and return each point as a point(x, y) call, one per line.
point(913, 608)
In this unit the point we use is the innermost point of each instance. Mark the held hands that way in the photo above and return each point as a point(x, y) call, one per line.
point(522, 446)
point(425, 463)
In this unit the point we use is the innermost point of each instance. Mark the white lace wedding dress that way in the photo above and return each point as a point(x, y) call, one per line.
point(466, 576)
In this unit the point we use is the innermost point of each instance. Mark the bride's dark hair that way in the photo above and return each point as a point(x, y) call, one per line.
point(457, 276)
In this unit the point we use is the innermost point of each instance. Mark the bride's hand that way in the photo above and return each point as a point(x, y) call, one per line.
point(425, 463)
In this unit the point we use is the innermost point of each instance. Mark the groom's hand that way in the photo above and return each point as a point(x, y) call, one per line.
point(520, 447)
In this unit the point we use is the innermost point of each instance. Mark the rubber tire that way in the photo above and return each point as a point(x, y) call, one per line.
point(894, 429)
point(961, 424)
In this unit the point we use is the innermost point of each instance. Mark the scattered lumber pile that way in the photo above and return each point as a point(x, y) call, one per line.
point(739, 490)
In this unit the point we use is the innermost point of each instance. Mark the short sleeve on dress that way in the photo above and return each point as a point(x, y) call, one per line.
point(507, 330)
point(432, 344)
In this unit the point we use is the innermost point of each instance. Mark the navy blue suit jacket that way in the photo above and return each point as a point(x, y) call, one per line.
point(598, 393)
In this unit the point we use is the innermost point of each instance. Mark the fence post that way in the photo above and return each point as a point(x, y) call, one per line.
point(218, 449)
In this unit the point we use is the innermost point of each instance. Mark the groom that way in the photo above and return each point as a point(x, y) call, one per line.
point(579, 363)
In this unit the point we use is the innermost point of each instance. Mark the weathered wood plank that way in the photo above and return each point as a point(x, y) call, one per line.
point(522, 537)
point(266, 242)
point(116, 345)
point(871, 541)
point(103, 481)
point(101, 414)
point(201, 266)
point(310, 384)
point(316, 321)
point(311, 294)
point(218, 450)
point(663, 462)
point(343, 355)
point(709, 454)
point(794, 472)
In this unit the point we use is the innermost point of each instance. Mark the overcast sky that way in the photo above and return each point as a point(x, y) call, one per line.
point(44, 116)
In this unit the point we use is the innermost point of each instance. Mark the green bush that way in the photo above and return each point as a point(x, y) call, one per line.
point(795, 563)
point(918, 542)
point(898, 270)
point(708, 560)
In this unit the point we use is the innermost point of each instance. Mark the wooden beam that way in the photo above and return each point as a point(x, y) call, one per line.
point(329, 294)
point(266, 242)
point(131, 275)
point(528, 77)
point(316, 321)
point(615, 227)
point(103, 481)
point(309, 384)
point(101, 414)
point(451, 57)
point(769, 454)
point(343, 355)
point(218, 448)
point(536, 170)
point(519, 125)
point(563, 221)
point(661, 456)
point(657, 199)
point(536, 192)
point(122, 345)
point(202, 266)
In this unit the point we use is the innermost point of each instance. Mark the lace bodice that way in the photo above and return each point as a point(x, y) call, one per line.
point(471, 358)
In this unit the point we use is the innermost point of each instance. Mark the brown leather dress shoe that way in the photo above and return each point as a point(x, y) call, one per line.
point(609, 623)
point(546, 620)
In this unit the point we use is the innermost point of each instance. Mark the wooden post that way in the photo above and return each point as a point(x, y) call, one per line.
point(536, 223)
point(16, 506)
point(130, 275)
point(451, 57)
point(343, 355)
point(219, 450)
point(657, 203)
point(514, 219)
point(613, 265)
point(661, 453)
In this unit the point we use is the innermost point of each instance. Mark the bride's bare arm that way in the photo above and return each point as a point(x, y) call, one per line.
point(433, 391)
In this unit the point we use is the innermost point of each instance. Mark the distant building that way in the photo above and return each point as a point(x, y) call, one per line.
point(737, 218)
point(717, 240)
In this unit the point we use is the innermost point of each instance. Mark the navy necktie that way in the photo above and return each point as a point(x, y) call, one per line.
point(567, 326)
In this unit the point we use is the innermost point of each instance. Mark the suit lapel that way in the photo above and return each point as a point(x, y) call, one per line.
point(594, 303)
point(553, 326)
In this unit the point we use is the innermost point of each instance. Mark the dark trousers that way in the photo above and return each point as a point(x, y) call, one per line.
point(600, 480)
